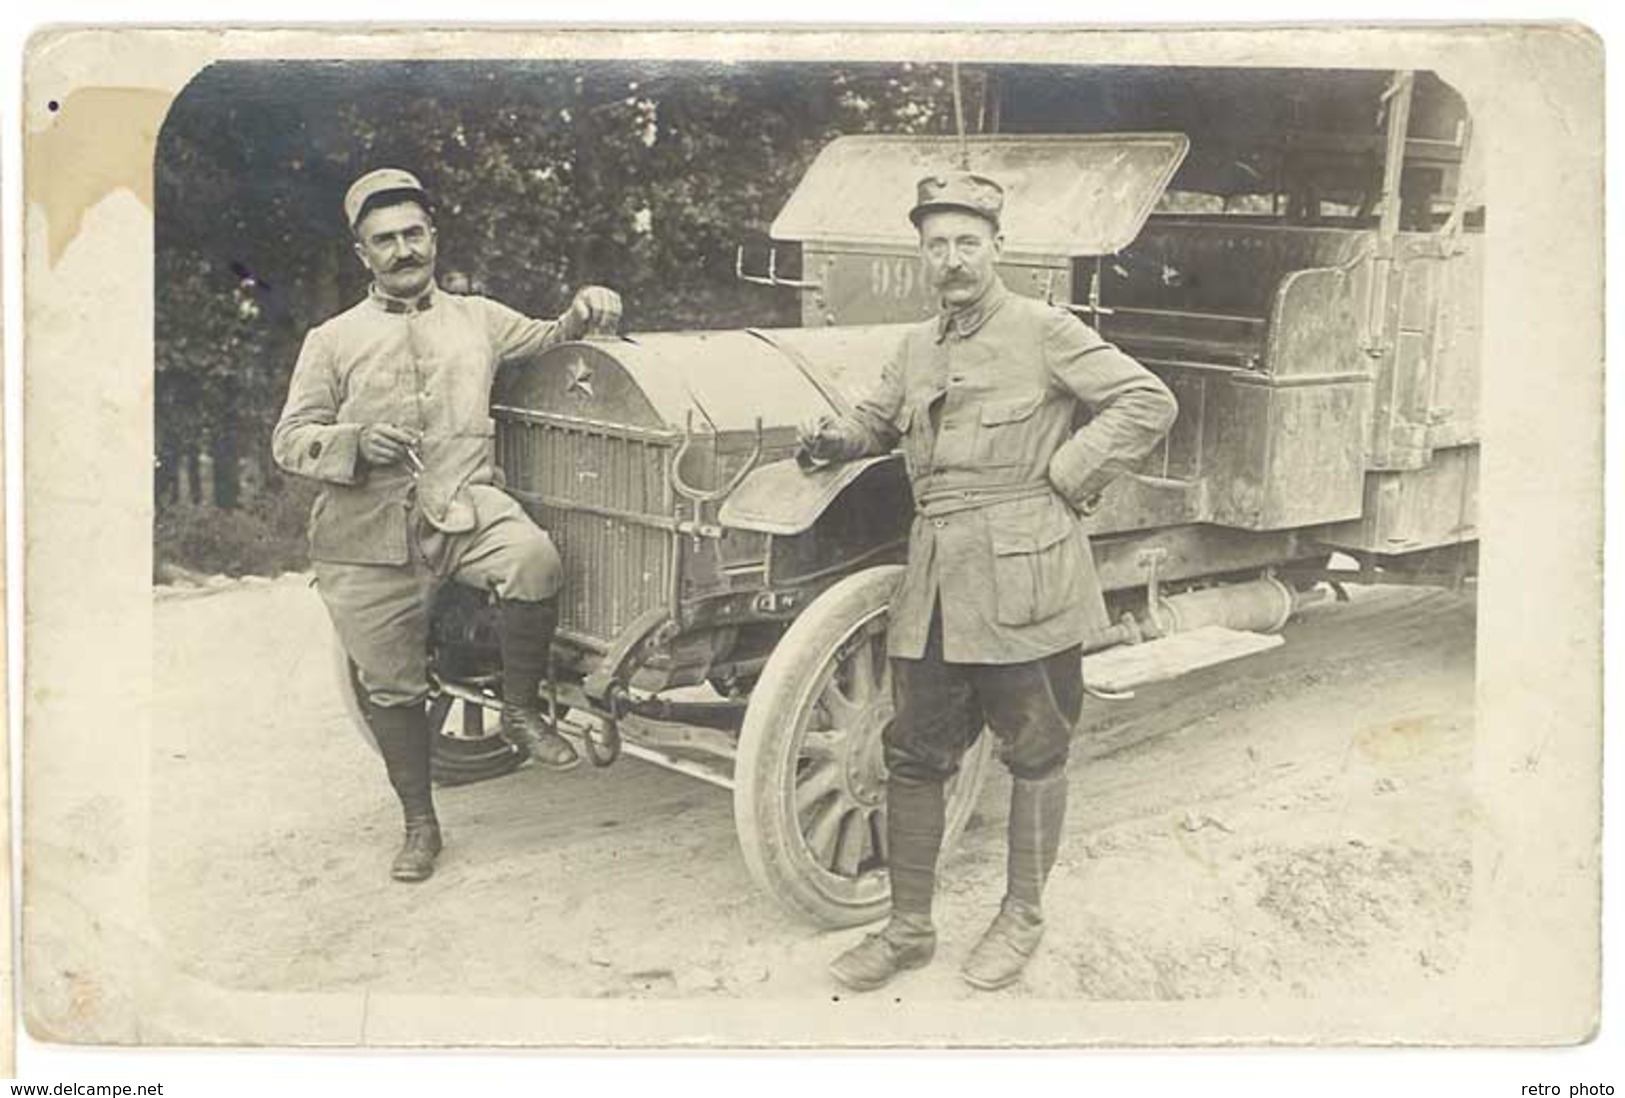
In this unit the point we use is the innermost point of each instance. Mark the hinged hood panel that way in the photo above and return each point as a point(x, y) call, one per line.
point(1065, 196)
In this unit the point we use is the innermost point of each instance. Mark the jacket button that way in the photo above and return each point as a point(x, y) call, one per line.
point(316, 449)
point(939, 523)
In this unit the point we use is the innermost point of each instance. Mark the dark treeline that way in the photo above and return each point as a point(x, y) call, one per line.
point(549, 175)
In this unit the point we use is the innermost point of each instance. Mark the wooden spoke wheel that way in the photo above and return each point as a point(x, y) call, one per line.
point(810, 776)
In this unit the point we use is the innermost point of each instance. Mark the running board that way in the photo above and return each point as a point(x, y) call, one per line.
point(575, 727)
point(1119, 670)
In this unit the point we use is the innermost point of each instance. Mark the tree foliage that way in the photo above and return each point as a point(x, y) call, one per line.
point(548, 176)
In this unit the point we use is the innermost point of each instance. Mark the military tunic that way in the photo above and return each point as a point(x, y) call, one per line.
point(383, 537)
point(984, 402)
point(425, 365)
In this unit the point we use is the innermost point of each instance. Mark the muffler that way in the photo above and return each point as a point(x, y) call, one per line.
point(1262, 605)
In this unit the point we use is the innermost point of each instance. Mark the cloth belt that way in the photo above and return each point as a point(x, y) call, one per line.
point(952, 501)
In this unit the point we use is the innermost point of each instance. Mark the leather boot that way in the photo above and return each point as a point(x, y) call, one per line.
point(527, 645)
point(1037, 813)
point(914, 824)
point(1005, 947)
point(415, 861)
point(402, 733)
point(907, 942)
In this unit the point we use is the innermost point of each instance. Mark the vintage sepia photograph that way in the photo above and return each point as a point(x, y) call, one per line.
point(767, 534)
point(1025, 511)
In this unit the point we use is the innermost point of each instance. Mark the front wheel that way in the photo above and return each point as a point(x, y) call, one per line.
point(810, 775)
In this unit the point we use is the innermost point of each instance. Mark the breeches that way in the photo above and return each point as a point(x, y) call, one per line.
point(381, 611)
point(942, 707)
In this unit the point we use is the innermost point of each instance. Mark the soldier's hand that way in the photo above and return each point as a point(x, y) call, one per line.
point(812, 434)
point(596, 309)
point(385, 443)
point(1084, 508)
point(810, 431)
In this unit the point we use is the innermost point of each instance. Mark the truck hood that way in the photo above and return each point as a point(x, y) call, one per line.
point(1065, 195)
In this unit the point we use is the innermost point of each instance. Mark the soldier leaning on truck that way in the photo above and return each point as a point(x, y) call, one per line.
point(1000, 587)
point(388, 408)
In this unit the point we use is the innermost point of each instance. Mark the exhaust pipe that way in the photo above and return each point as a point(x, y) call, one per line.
point(1257, 606)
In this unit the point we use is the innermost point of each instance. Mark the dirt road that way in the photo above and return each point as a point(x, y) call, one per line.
point(1292, 824)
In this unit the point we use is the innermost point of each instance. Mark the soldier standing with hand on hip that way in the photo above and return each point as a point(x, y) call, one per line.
point(389, 409)
point(1000, 587)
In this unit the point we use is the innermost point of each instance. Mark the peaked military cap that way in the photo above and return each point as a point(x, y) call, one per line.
point(376, 184)
point(966, 191)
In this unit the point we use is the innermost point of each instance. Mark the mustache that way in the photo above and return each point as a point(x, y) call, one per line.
point(407, 265)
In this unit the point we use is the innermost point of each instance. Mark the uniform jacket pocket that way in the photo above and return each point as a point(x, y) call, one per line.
point(1037, 562)
point(997, 413)
point(361, 525)
point(1004, 434)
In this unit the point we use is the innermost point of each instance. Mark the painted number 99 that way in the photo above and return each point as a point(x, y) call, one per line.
point(893, 278)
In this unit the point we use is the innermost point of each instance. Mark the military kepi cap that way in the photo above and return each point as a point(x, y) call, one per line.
point(966, 191)
point(375, 184)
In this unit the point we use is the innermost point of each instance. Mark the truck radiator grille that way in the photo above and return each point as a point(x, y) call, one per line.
point(604, 498)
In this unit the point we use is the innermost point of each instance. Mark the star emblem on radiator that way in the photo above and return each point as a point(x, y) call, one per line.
point(580, 378)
